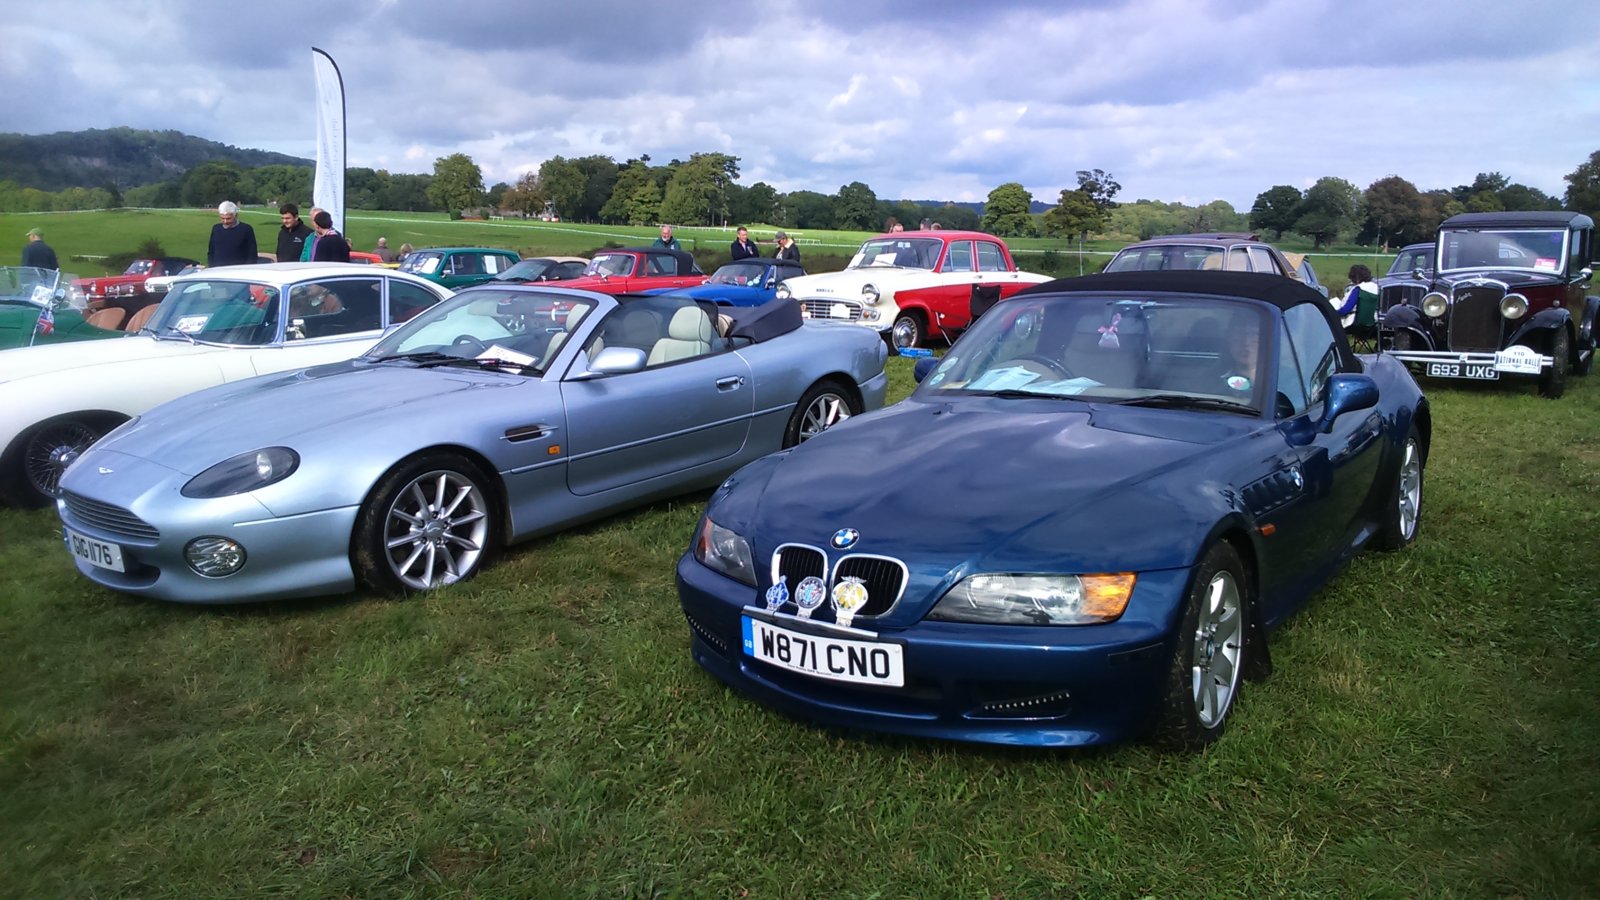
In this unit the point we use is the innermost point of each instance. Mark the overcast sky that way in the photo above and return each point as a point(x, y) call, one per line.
point(934, 99)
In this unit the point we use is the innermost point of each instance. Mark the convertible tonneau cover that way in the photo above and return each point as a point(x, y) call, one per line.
point(764, 322)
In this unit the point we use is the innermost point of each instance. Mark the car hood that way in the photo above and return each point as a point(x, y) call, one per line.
point(1515, 279)
point(105, 280)
point(53, 359)
point(848, 283)
point(328, 403)
point(1016, 484)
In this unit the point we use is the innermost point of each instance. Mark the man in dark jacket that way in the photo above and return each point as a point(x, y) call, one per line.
point(331, 245)
point(743, 248)
point(36, 253)
point(233, 243)
point(292, 236)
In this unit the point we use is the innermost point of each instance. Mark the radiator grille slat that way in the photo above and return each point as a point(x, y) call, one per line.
point(109, 518)
point(1475, 320)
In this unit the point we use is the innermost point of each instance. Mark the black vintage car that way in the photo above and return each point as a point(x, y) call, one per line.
point(1509, 295)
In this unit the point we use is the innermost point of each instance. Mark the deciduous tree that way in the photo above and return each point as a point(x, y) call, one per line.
point(855, 208)
point(1100, 187)
point(457, 184)
point(564, 184)
point(1394, 209)
point(1583, 187)
point(1005, 212)
point(1074, 215)
point(1328, 208)
point(1276, 209)
point(527, 196)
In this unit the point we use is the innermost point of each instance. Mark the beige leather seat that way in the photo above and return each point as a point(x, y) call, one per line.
point(108, 318)
point(689, 335)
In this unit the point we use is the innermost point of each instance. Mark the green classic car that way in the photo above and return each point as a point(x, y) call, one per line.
point(458, 267)
point(40, 306)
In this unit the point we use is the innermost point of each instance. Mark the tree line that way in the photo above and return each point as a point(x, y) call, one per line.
point(705, 190)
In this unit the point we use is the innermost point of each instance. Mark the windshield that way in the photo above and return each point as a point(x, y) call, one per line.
point(422, 262)
point(908, 253)
point(740, 274)
point(225, 312)
point(1539, 249)
point(527, 270)
point(36, 287)
point(523, 329)
point(140, 267)
point(1116, 348)
point(1409, 261)
point(1167, 256)
point(610, 264)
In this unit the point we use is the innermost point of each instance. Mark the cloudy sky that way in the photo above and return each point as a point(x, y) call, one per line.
point(1182, 100)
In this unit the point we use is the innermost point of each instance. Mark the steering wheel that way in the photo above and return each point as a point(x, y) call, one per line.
point(1039, 361)
point(468, 342)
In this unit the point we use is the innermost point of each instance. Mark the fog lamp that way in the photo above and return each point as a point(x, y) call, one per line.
point(1513, 306)
point(1434, 305)
point(214, 557)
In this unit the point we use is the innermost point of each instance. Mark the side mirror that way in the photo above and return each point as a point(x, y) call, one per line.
point(297, 330)
point(1584, 273)
point(1347, 393)
point(617, 361)
point(924, 368)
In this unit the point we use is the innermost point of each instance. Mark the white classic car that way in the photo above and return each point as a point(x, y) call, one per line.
point(912, 284)
point(215, 325)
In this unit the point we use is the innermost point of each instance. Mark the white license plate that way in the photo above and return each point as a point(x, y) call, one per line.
point(837, 659)
point(1480, 371)
point(96, 553)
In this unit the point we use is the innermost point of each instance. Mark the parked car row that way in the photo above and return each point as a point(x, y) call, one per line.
point(1141, 474)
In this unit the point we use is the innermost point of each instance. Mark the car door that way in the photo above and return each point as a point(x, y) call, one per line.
point(325, 320)
point(1326, 480)
point(669, 417)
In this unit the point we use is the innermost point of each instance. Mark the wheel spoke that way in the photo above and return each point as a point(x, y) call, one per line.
point(406, 517)
point(433, 562)
point(462, 494)
point(411, 560)
point(402, 540)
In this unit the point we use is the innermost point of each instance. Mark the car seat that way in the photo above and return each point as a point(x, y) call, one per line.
point(689, 335)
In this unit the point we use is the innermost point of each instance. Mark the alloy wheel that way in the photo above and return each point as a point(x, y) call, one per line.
point(436, 529)
point(1218, 647)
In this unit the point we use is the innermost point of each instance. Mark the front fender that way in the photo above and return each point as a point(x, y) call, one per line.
point(1408, 319)
point(1544, 320)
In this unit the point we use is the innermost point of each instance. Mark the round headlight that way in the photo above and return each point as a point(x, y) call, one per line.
point(869, 294)
point(1434, 305)
point(214, 557)
point(783, 292)
point(1513, 306)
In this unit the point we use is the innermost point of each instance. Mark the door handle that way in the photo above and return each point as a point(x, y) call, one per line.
point(732, 382)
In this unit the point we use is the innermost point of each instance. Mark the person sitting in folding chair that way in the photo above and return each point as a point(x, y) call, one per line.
point(1359, 309)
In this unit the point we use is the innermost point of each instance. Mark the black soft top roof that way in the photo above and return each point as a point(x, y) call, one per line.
point(1277, 290)
point(1520, 219)
point(686, 263)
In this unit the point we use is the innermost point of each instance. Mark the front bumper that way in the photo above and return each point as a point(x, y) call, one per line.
point(879, 317)
point(292, 556)
point(1029, 686)
point(1447, 364)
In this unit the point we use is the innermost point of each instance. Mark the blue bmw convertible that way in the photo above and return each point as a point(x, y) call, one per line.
point(1083, 526)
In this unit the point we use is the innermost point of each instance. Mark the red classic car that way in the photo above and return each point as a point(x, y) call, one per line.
point(127, 290)
point(633, 270)
point(912, 284)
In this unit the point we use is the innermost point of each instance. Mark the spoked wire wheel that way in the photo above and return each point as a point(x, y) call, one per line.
point(51, 449)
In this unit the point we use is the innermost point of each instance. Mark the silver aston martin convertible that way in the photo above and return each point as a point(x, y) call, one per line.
point(500, 414)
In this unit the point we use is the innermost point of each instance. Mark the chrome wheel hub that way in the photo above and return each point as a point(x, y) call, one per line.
point(52, 451)
point(436, 530)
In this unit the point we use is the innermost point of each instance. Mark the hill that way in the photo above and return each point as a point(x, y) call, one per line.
point(126, 157)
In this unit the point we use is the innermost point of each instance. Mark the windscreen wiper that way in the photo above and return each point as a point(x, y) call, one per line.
point(1185, 401)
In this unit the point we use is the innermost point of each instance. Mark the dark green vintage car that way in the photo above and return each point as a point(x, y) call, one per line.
point(40, 306)
point(459, 267)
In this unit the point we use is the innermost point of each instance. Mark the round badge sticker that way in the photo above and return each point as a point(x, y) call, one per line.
point(809, 594)
point(1238, 382)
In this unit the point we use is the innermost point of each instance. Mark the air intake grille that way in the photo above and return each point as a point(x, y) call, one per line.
point(825, 309)
point(885, 580)
point(108, 518)
point(1475, 320)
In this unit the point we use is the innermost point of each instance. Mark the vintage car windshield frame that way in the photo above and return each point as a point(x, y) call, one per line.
point(1443, 248)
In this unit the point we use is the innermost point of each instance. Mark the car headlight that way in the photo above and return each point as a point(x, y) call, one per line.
point(869, 294)
point(1513, 306)
point(783, 292)
point(725, 551)
point(1036, 599)
point(245, 472)
point(1434, 305)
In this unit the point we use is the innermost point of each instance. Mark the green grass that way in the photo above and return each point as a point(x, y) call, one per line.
point(541, 730)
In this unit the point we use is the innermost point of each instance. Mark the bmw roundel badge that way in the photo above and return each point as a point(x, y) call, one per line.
point(845, 538)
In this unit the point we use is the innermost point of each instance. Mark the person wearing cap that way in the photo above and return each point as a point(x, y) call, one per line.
point(36, 253)
point(786, 247)
point(233, 243)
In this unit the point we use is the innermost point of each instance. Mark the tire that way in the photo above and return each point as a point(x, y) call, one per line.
point(1403, 514)
point(43, 453)
point(430, 522)
point(1208, 659)
point(908, 331)
point(823, 405)
point(1553, 383)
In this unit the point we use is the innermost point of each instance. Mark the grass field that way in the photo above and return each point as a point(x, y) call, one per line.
point(541, 730)
point(85, 240)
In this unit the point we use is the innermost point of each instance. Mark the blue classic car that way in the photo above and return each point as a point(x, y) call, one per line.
point(502, 413)
point(1122, 484)
point(748, 282)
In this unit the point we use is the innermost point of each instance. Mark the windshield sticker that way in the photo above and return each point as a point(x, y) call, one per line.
point(1238, 383)
point(191, 324)
point(1546, 263)
point(430, 265)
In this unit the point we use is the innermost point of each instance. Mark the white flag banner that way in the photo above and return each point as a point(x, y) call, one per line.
point(327, 191)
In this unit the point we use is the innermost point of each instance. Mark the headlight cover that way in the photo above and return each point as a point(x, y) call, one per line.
point(1513, 306)
point(869, 294)
point(726, 551)
point(1036, 599)
point(1434, 305)
point(245, 472)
